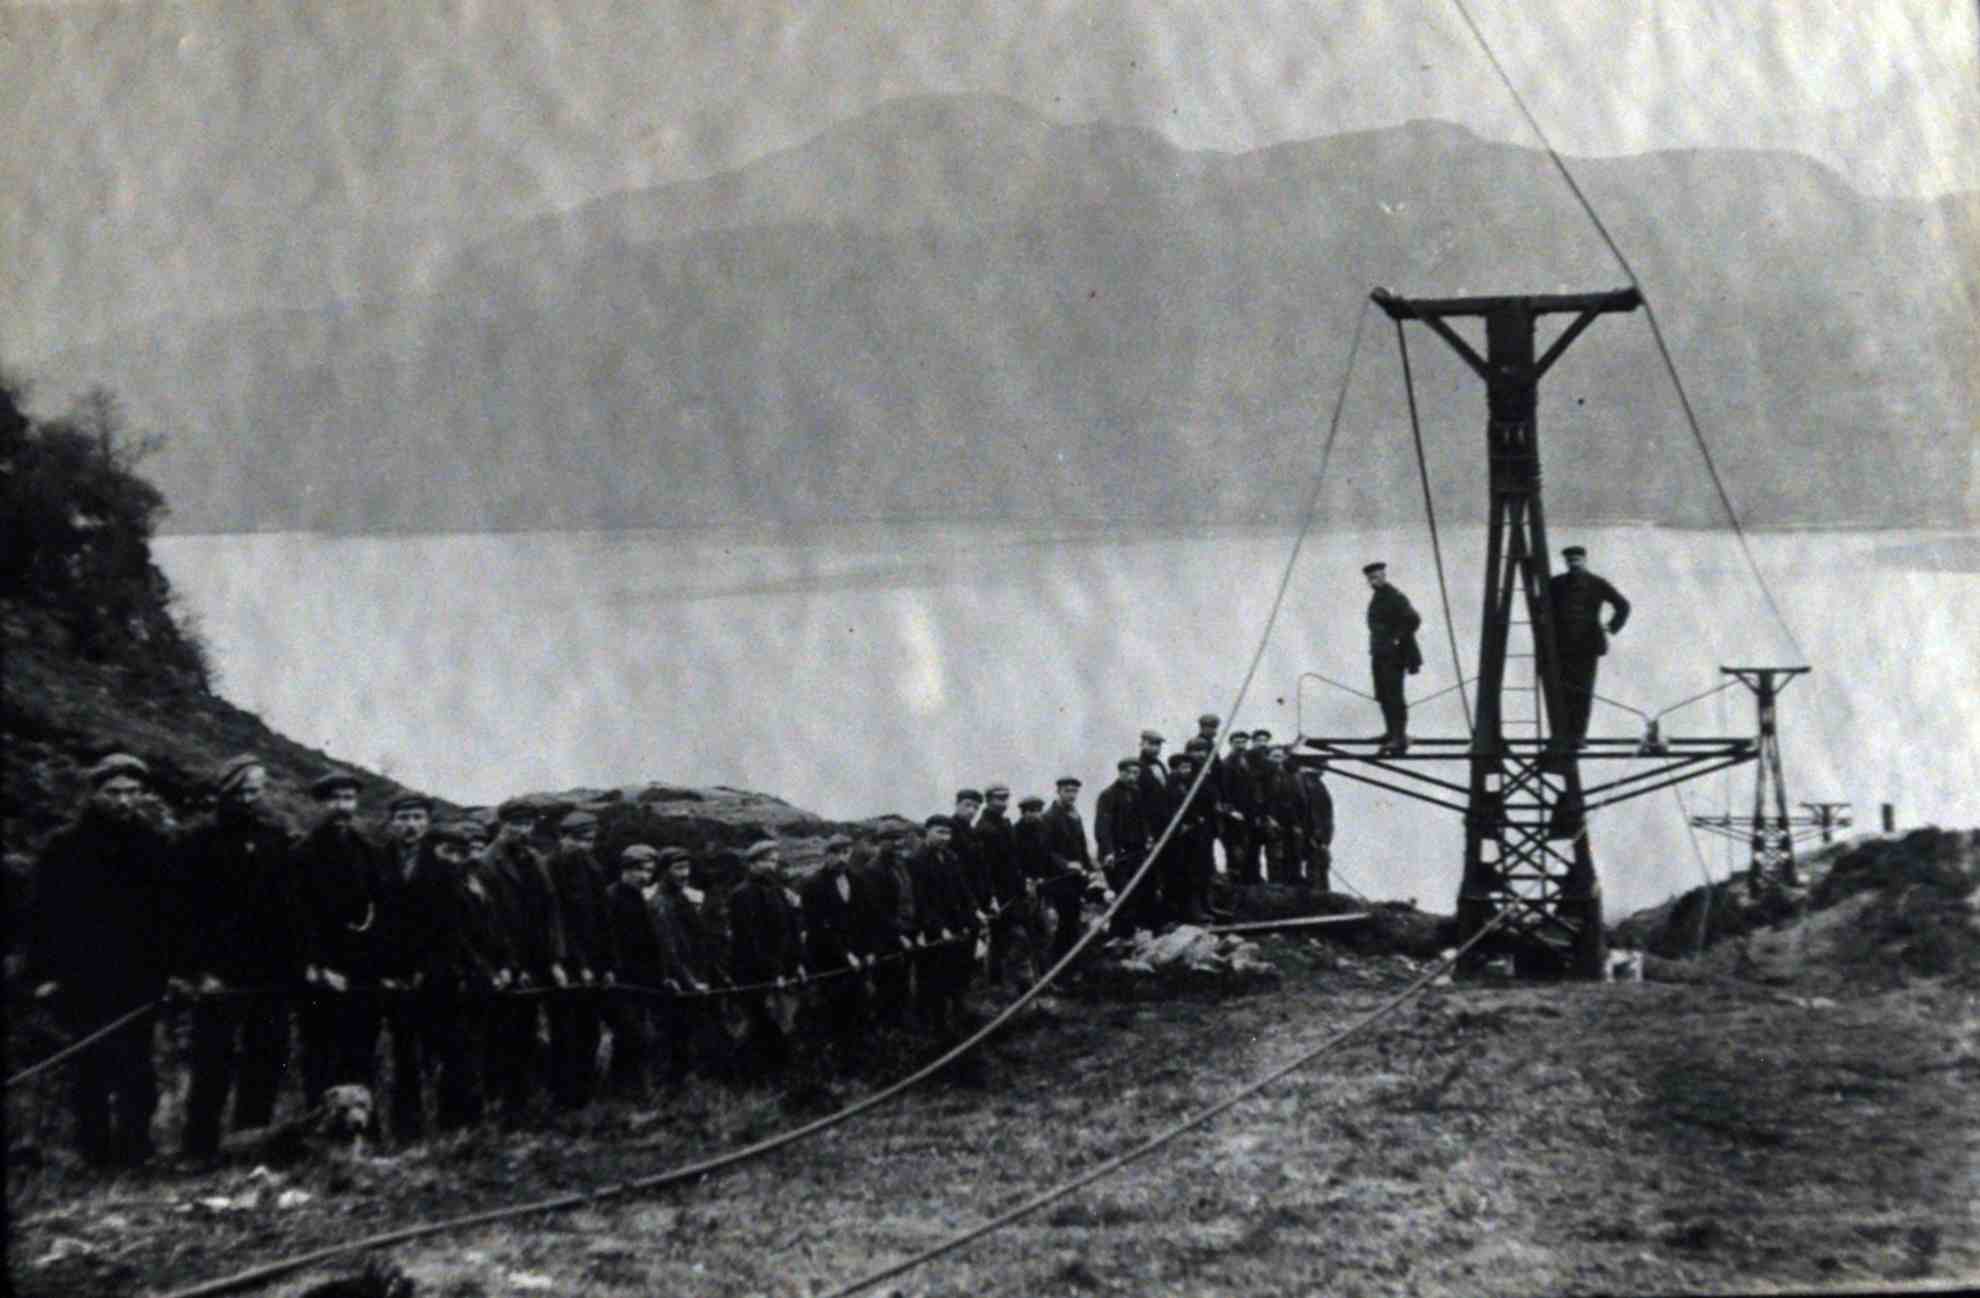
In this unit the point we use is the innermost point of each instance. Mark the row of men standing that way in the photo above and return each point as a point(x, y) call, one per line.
point(1272, 819)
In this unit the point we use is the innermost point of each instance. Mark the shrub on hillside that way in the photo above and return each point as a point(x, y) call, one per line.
point(76, 522)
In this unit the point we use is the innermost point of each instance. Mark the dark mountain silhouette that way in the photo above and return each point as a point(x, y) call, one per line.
point(952, 307)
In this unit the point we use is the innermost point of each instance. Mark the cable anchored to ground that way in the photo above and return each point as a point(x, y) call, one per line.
point(257, 1276)
point(1164, 1137)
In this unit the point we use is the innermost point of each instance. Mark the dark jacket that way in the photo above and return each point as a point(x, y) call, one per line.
point(236, 908)
point(1577, 599)
point(1285, 801)
point(688, 951)
point(942, 893)
point(528, 897)
point(1319, 809)
point(438, 932)
point(764, 930)
point(997, 846)
point(888, 907)
point(1121, 824)
point(581, 901)
point(831, 918)
point(102, 917)
point(339, 874)
point(635, 936)
point(1392, 627)
point(1065, 837)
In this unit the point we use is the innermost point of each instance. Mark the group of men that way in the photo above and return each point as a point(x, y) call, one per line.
point(1575, 597)
point(490, 963)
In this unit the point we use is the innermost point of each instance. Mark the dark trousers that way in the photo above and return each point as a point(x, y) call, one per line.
point(1389, 673)
point(514, 1059)
point(239, 1044)
point(115, 1075)
point(1063, 905)
point(767, 1050)
point(1283, 847)
point(1145, 905)
point(678, 1025)
point(1577, 692)
point(575, 1031)
point(892, 985)
point(628, 1014)
point(1241, 854)
point(941, 978)
point(1177, 876)
point(339, 1033)
point(440, 1032)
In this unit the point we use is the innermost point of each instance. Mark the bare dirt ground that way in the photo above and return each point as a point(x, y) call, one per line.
point(1487, 1139)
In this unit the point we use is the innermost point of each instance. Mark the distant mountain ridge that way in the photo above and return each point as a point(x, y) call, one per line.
point(951, 306)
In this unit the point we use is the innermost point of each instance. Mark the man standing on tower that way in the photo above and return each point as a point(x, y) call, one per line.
point(1577, 596)
point(1392, 653)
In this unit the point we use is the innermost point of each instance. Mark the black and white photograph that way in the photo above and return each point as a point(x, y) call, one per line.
point(1038, 649)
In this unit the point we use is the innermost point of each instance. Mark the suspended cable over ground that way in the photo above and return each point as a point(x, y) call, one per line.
point(1164, 1137)
point(1650, 314)
point(1430, 510)
point(260, 1275)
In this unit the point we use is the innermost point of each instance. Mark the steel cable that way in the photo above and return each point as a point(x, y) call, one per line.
point(1169, 1134)
point(274, 1270)
point(1436, 544)
point(1649, 314)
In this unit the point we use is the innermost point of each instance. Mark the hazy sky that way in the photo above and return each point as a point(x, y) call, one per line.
point(212, 155)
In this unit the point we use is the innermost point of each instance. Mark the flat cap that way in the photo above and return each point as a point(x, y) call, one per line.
point(669, 855)
point(837, 841)
point(1575, 552)
point(1069, 782)
point(992, 790)
point(234, 770)
point(577, 820)
point(471, 830)
point(519, 809)
point(938, 822)
point(636, 853)
point(761, 848)
point(329, 782)
point(1209, 719)
point(1031, 802)
point(1240, 737)
point(971, 794)
point(1370, 569)
point(1128, 764)
point(1152, 737)
point(1200, 745)
point(1184, 761)
point(114, 765)
point(409, 802)
point(454, 834)
point(1261, 733)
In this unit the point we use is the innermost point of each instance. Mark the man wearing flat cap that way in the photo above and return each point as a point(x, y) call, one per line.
point(1122, 830)
point(100, 933)
point(339, 876)
point(1392, 654)
point(889, 918)
point(1577, 597)
point(238, 930)
point(1002, 882)
point(1072, 860)
point(948, 919)
point(636, 941)
point(1237, 799)
point(526, 897)
point(686, 949)
point(1154, 773)
point(832, 906)
point(577, 1024)
point(765, 946)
